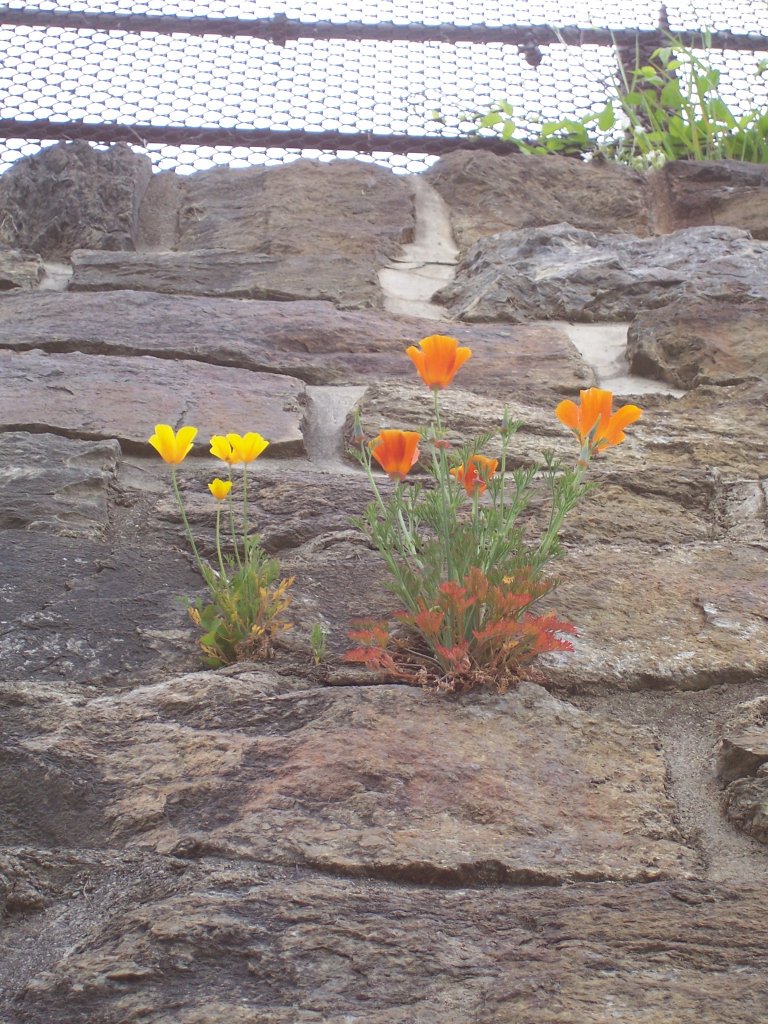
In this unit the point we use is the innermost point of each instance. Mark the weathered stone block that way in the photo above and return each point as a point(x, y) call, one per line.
point(692, 341)
point(487, 194)
point(225, 944)
point(19, 270)
point(348, 283)
point(562, 272)
point(114, 397)
point(689, 193)
point(367, 781)
point(344, 207)
point(92, 612)
point(309, 340)
point(305, 230)
point(73, 196)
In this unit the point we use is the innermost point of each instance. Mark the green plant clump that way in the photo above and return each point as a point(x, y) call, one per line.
point(668, 109)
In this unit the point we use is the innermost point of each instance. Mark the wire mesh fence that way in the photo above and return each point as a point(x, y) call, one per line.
point(234, 83)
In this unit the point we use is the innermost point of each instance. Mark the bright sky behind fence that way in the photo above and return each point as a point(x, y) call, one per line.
point(241, 82)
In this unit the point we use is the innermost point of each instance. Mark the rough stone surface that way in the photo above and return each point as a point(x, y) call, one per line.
point(689, 193)
point(93, 612)
point(306, 230)
point(742, 768)
point(305, 207)
point(486, 194)
point(208, 943)
point(745, 803)
point(701, 619)
point(115, 397)
point(309, 340)
point(699, 341)
point(55, 484)
point(334, 278)
point(567, 273)
point(72, 196)
point(19, 270)
point(351, 780)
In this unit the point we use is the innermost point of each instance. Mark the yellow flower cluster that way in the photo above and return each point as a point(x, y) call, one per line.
point(233, 449)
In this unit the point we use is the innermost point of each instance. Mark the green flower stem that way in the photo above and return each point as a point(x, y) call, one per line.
point(407, 536)
point(246, 524)
point(198, 560)
point(564, 499)
point(442, 476)
point(218, 547)
point(366, 460)
point(438, 424)
point(232, 529)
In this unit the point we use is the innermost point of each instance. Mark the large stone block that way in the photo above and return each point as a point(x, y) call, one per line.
point(348, 283)
point(73, 196)
point(309, 340)
point(208, 943)
point(366, 781)
point(689, 193)
point(344, 207)
point(116, 397)
point(563, 272)
point(305, 230)
point(487, 194)
point(692, 341)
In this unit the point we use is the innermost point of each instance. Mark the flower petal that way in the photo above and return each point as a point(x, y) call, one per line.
point(568, 413)
point(614, 432)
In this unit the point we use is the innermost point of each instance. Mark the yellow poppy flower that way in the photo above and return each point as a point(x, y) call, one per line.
point(222, 449)
point(170, 446)
point(248, 447)
point(220, 488)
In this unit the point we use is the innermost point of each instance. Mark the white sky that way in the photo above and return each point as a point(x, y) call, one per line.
point(336, 85)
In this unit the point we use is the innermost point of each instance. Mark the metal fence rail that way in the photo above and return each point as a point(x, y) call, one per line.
point(195, 90)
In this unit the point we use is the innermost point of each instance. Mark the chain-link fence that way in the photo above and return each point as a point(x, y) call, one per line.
point(234, 83)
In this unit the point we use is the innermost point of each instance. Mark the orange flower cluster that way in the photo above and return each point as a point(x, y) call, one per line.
point(437, 360)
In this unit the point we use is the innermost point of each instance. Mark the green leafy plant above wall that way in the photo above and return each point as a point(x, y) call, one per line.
point(668, 109)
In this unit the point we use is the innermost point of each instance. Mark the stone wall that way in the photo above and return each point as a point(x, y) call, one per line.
point(287, 843)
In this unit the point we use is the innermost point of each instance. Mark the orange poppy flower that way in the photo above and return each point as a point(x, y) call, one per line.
point(396, 451)
point(476, 473)
point(593, 420)
point(438, 359)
